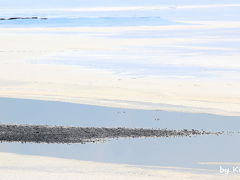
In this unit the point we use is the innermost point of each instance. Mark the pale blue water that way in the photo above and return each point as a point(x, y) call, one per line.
point(88, 22)
point(182, 151)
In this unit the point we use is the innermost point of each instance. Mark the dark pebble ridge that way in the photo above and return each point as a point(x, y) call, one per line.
point(60, 134)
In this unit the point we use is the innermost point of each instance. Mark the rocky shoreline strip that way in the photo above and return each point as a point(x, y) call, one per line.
point(16, 18)
point(60, 134)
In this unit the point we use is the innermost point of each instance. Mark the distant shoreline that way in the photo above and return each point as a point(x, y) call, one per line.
point(16, 18)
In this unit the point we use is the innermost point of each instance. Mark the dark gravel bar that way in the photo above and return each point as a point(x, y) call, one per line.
point(60, 134)
point(16, 18)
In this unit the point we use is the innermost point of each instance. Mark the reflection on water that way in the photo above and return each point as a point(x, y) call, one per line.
point(182, 151)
